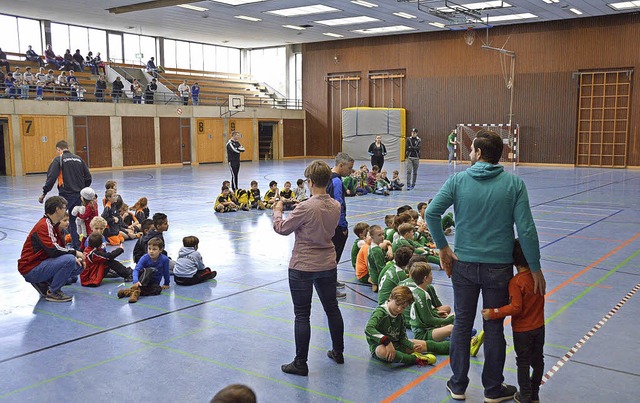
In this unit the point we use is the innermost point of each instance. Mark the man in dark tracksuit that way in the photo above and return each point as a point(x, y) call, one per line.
point(234, 148)
point(71, 175)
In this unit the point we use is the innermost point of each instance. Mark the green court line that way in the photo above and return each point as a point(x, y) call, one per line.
point(591, 287)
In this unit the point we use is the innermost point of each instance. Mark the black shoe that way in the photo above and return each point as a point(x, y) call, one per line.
point(42, 288)
point(454, 395)
point(295, 369)
point(507, 392)
point(340, 284)
point(111, 274)
point(337, 357)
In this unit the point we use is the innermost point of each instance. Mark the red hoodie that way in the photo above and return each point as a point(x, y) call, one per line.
point(44, 242)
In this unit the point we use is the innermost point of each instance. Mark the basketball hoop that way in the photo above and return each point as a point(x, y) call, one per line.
point(469, 36)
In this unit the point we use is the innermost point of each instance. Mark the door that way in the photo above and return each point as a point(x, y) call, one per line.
point(267, 140)
point(92, 137)
point(603, 118)
point(5, 149)
point(210, 144)
point(39, 135)
point(185, 140)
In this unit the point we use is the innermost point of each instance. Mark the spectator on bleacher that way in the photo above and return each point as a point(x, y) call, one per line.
point(79, 59)
point(17, 82)
point(9, 86)
point(99, 64)
point(195, 93)
point(89, 62)
point(24, 88)
point(101, 89)
point(40, 75)
point(28, 75)
point(51, 57)
point(116, 89)
point(151, 68)
point(79, 91)
point(2, 77)
point(3, 60)
point(39, 90)
point(184, 92)
point(136, 91)
point(69, 63)
point(62, 80)
point(50, 79)
point(32, 56)
point(72, 78)
point(28, 80)
point(150, 91)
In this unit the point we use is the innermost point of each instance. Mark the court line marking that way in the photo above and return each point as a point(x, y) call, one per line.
point(567, 356)
point(426, 375)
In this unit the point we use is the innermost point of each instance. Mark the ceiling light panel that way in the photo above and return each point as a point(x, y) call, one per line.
point(333, 35)
point(348, 21)
point(192, 7)
point(296, 27)
point(476, 6)
point(405, 15)
point(510, 17)
point(625, 5)
point(383, 30)
point(237, 2)
point(306, 10)
point(575, 11)
point(247, 18)
point(437, 24)
point(364, 3)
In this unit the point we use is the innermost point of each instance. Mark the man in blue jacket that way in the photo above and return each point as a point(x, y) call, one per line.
point(487, 202)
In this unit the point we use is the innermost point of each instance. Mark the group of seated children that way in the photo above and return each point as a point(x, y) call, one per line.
point(362, 182)
point(250, 199)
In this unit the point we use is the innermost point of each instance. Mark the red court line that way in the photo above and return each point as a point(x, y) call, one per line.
point(435, 369)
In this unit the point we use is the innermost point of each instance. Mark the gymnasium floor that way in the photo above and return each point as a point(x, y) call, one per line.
point(189, 342)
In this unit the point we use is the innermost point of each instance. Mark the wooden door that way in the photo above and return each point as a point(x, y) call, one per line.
point(39, 135)
point(138, 141)
point(185, 139)
point(245, 127)
point(81, 138)
point(603, 118)
point(99, 141)
point(210, 144)
point(170, 144)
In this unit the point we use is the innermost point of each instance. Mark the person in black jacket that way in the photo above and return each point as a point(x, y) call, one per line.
point(149, 91)
point(377, 151)
point(101, 89)
point(234, 148)
point(116, 89)
point(71, 175)
point(79, 59)
point(3, 61)
point(413, 158)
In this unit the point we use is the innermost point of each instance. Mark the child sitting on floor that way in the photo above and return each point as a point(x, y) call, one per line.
point(189, 269)
point(395, 181)
point(300, 192)
point(152, 267)
point(141, 209)
point(287, 198)
point(224, 202)
point(254, 196)
point(394, 273)
point(98, 262)
point(272, 195)
point(387, 336)
point(361, 230)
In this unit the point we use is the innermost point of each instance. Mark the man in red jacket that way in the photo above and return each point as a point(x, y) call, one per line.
point(44, 261)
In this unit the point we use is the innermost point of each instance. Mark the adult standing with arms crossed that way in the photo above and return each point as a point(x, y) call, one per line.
point(487, 202)
point(71, 174)
point(343, 167)
point(412, 153)
point(234, 148)
point(312, 264)
point(451, 143)
point(377, 151)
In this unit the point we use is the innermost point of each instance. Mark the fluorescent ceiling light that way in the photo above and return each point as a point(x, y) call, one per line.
point(237, 2)
point(384, 30)
point(551, 1)
point(509, 17)
point(244, 17)
point(364, 3)
point(625, 5)
point(333, 35)
point(575, 11)
point(192, 7)
point(437, 24)
point(347, 21)
point(405, 15)
point(296, 27)
point(476, 6)
point(306, 10)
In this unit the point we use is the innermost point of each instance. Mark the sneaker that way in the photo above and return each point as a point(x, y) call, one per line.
point(295, 369)
point(476, 342)
point(454, 395)
point(58, 296)
point(337, 357)
point(340, 284)
point(111, 274)
point(42, 288)
point(427, 358)
point(211, 276)
point(522, 399)
point(507, 392)
point(340, 294)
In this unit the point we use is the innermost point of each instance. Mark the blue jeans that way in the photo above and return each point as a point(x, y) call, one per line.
point(450, 148)
point(468, 280)
point(55, 271)
point(72, 201)
point(301, 284)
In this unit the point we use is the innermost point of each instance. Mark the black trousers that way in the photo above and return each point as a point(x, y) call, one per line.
point(339, 240)
point(529, 354)
point(234, 167)
point(379, 161)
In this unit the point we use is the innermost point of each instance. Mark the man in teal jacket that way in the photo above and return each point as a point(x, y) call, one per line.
point(487, 202)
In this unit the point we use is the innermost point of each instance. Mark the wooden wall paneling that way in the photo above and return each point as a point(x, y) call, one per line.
point(138, 141)
point(39, 135)
point(185, 138)
point(244, 126)
point(547, 56)
point(170, 144)
point(293, 137)
point(81, 139)
point(210, 141)
point(99, 135)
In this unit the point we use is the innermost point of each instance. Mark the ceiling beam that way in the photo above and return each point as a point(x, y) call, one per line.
point(148, 5)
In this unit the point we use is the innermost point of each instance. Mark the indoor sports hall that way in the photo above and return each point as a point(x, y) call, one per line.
point(298, 82)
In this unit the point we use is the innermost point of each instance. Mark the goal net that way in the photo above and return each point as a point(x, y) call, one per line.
point(465, 133)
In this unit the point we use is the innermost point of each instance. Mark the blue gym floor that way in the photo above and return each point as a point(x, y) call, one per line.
point(189, 342)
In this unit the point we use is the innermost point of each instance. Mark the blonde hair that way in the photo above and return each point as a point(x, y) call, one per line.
point(140, 204)
point(405, 228)
point(402, 295)
point(95, 221)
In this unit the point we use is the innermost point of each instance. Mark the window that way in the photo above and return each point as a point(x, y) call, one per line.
point(115, 48)
point(9, 34)
point(234, 61)
point(270, 66)
point(29, 34)
point(209, 55)
point(197, 61)
point(132, 50)
point(59, 38)
point(170, 53)
point(148, 48)
point(182, 55)
point(222, 59)
point(79, 39)
point(98, 42)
